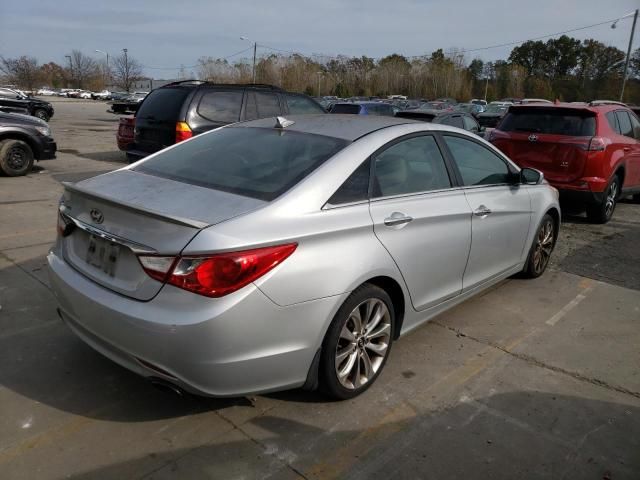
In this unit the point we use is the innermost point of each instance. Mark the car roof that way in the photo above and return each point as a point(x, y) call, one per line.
point(345, 126)
point(602, 107)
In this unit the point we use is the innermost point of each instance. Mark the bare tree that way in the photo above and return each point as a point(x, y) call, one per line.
point(126, 70)
point(22, 71)
point(83, 68)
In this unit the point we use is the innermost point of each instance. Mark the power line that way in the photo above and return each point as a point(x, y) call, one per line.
point(197, 64)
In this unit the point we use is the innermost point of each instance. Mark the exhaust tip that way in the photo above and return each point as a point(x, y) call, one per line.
point(166, 386)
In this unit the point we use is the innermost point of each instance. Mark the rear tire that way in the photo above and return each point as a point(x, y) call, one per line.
point(357, 344)
point(603, 211)
point(541, 248)
point(16, 158)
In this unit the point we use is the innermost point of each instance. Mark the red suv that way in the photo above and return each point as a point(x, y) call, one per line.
point(590, 152)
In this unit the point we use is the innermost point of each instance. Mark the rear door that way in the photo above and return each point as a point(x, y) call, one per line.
point(552, 140)
point(261, 104)
point(421, 218)
point(501, 211)
point(156, 118)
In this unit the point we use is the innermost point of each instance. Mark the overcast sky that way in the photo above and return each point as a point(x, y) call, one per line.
point(165, 34)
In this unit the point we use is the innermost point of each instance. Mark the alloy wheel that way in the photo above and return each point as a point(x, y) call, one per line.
point(610, 201)
point(544, 246)
point(363, 343)
point(17, 158)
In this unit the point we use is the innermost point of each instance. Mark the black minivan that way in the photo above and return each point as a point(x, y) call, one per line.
point(181, 110)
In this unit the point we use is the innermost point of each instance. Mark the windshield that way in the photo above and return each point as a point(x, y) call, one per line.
point(260, 163)
point(551, 121)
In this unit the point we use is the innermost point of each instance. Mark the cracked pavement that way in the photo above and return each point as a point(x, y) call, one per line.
point(531, 379)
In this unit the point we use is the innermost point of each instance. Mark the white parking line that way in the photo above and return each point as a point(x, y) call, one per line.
point(569, 306)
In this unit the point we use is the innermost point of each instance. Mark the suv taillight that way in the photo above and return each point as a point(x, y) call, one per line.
point(597, 144)
point(183, 132)
point(216, 275)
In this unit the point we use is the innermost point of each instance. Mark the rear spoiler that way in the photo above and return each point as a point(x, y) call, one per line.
point(186, 222)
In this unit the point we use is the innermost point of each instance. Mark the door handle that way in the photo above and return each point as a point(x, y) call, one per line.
point(482, 211)
point(397, 218)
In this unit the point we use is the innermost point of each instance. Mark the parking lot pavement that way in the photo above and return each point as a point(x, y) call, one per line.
point(532, 379)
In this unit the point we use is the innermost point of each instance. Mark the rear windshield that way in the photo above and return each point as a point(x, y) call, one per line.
point(551, 121)
point(345, 108)
point(260, 163)
point(163, 104)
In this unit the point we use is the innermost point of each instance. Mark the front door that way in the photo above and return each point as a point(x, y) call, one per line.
point(422, 221)
point(501, 210)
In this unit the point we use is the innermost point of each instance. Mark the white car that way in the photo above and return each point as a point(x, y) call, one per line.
point(103, 95)
point(85, 94)
point(45, 91)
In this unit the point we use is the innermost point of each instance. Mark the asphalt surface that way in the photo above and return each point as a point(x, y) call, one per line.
point(532, 379)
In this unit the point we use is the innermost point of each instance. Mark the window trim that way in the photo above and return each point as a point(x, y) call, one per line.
point(513, 169)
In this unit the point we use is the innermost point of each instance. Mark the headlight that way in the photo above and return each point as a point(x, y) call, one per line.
point(46, 131)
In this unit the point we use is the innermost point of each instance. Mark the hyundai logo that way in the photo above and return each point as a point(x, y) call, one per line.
point(533, 138)
point(96, 215)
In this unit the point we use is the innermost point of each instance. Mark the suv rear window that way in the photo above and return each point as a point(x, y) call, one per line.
point(163, 104)
point(345, 108)
point(260, 163)
point(551, 121)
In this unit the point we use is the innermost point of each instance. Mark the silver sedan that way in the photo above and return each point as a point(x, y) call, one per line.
point(291, 252)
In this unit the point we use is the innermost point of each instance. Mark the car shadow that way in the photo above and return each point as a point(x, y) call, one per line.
point(521, 434)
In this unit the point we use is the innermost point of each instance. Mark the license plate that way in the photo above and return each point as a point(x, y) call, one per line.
point(103, 254)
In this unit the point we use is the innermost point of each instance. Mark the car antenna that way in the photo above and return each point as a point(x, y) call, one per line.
point(282, 123)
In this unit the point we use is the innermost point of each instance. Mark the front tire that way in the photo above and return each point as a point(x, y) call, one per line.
point(41, 114)
point(358, 342)
point(541, 249)
point(603, 211)
point(16, 158)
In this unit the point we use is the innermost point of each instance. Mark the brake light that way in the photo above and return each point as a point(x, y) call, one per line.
point(597, 144)
point(216, 275)
point(183, 132)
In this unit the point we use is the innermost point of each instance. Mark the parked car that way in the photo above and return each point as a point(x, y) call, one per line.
point(14, 102)
point(526, 101)
point(591, 153)
point(102, 95)
point(363, 108)
point(181, 110)
point(85, 94)
point(23, 139)
point(73, 93)
point(290, 252)
point(461, 120)
point(472, 108)
point(45, 91)
point(492, 114)
point(477, 101)
point(437, 105)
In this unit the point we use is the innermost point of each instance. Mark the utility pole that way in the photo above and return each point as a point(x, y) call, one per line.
point(626, 63)
point(255, 47)
point(70, 66)
point(126, 70)
point(319, 77)
point(486, 87)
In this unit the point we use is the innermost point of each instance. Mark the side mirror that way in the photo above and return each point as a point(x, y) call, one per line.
point(531, 176)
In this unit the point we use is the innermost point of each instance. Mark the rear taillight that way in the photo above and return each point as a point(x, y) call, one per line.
point(183, 132)
point(597, 144)
point(216, 275)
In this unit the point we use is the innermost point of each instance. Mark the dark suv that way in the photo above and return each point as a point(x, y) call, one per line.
point(180, 110)
point(14, 102)
point(23, 139)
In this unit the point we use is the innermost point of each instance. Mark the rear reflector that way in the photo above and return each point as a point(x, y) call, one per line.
point(216, 275)
point(183, 132)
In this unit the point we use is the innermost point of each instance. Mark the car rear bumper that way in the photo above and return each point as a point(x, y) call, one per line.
point(235, 345)
point(584, 190)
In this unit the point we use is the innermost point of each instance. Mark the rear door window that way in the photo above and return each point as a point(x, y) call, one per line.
point(454, 121)
point(410, 166)
point(163, 104)
point(469, 123)
point(635, 123)
point(558, 121)
point(298, 104)
point(221, 105)
point(625, 123)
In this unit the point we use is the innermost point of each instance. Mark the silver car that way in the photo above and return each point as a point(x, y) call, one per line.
point(291, 252)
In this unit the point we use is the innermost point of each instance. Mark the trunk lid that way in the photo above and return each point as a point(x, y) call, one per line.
point(553, 140)
point(125, 213)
